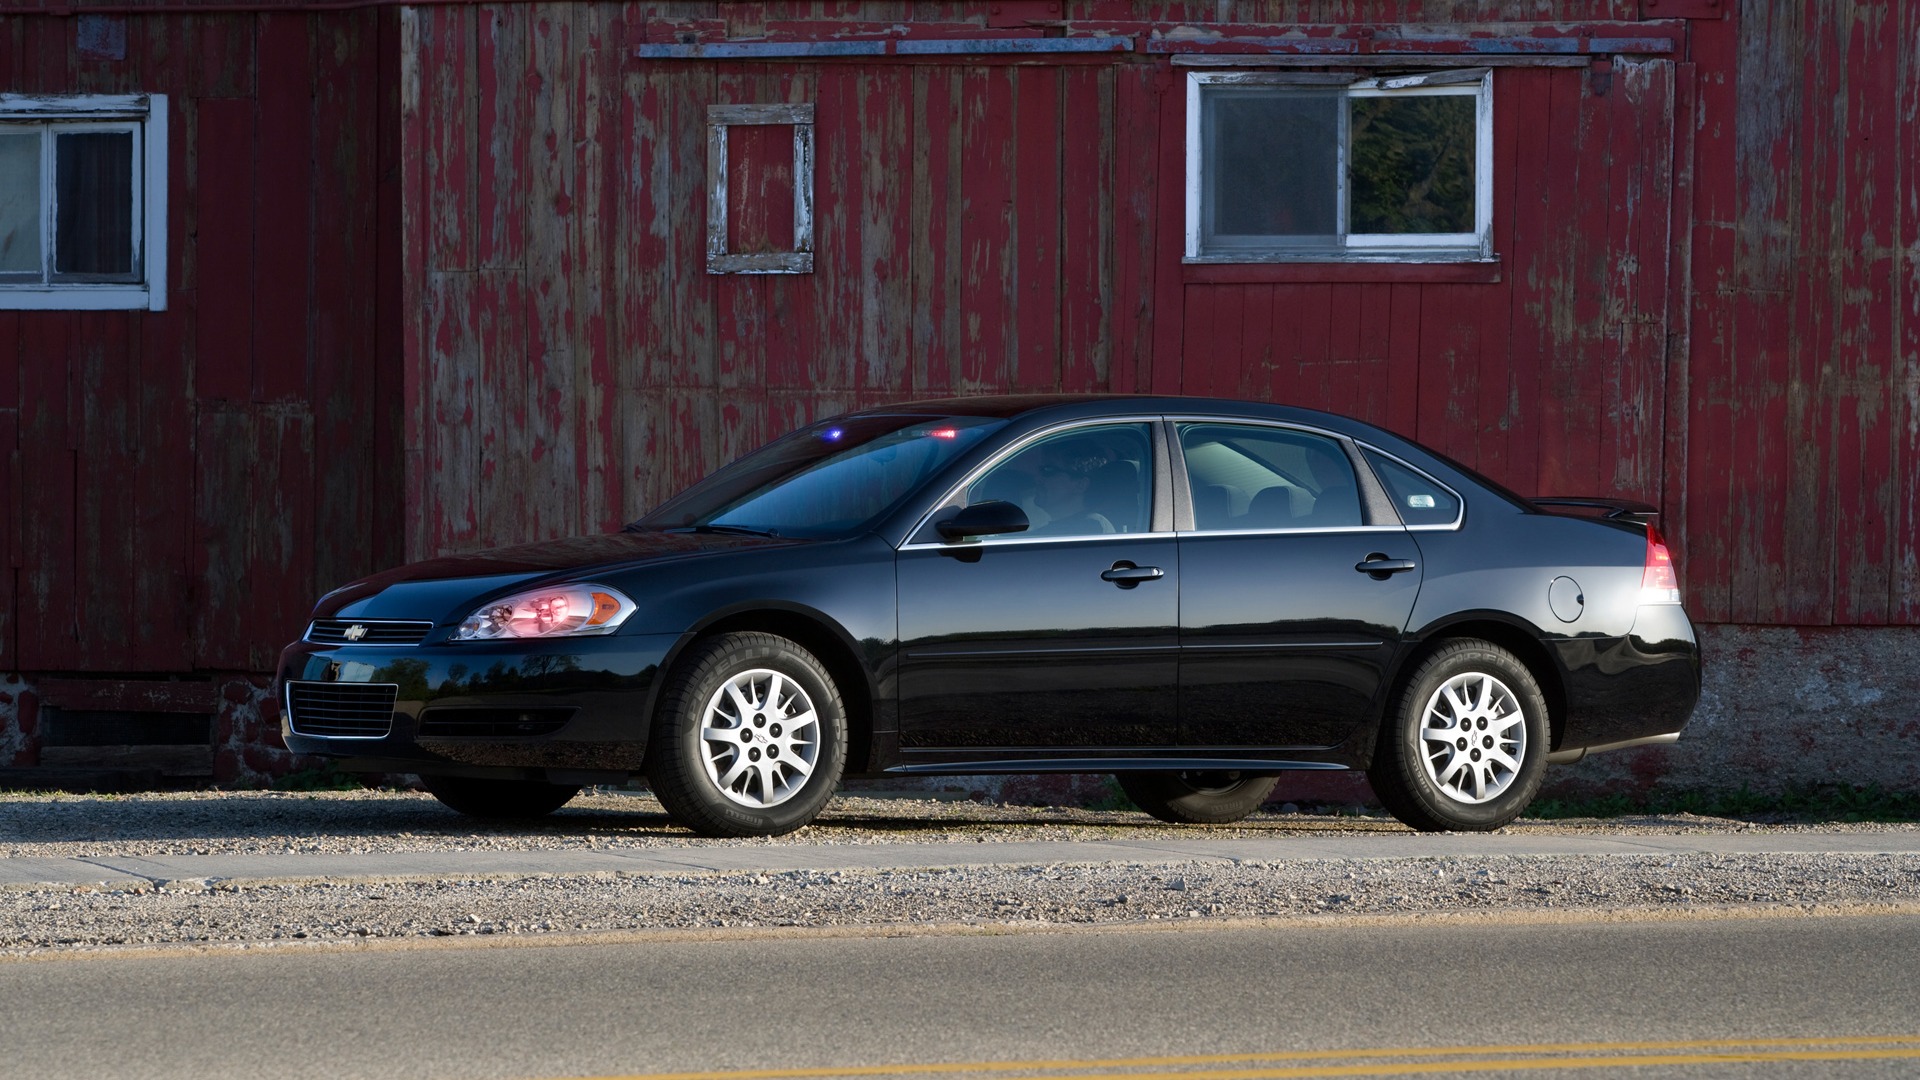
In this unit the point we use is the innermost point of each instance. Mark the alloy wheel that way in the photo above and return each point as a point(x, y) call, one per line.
point(760, 738)
point(1473, 737)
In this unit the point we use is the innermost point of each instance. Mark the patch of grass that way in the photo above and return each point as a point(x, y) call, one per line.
point(1110, 797)
point(1814, 802)
point(321, 778)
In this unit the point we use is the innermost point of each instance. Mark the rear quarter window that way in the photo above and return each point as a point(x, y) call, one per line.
point(1419, 499)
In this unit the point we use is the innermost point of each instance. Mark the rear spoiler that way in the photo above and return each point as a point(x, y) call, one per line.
point(1611, 509)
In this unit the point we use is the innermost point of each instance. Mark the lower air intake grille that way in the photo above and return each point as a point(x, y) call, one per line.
point(367, 632)
point(341, 710)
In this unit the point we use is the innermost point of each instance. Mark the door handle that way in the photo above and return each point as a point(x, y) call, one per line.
point(1126, 575)
point(1380, 568)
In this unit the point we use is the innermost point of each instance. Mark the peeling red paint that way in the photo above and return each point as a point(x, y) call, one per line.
point(466, 303)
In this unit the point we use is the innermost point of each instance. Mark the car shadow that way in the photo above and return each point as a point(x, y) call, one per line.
point(283, 821)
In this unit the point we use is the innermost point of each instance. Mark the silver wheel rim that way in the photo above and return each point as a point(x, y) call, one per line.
point(760, 738)
point(1473, 737)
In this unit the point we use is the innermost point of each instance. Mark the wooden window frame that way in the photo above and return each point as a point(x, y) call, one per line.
point(1475, 247)
point(719, 259)
point(146, 116)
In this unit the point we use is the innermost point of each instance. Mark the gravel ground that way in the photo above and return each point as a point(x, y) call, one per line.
point(35, 920)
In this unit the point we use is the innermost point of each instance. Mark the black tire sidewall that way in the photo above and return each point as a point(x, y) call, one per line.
point(1419, 801)
point(678, 774)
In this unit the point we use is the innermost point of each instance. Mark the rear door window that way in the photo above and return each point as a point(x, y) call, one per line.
point(1252, 477)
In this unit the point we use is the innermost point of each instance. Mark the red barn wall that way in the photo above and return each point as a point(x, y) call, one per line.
point(1706, 294)
point(178, 485)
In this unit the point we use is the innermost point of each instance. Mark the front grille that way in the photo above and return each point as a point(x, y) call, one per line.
point(368, 632)
point(493, 723)
point(341, 710)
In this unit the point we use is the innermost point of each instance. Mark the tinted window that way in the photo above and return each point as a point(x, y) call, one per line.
point(1418, 498)
point(1246, 477)
point(831, 479)
point(1086, 482)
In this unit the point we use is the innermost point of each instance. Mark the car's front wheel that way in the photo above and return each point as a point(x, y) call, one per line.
point(750, 738)
point(503, 800)
point(1467, 746)
point(1216, 797)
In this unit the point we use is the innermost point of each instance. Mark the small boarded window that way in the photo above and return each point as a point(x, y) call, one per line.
point(1295, 166)
point(758, 198)
point(82, 202)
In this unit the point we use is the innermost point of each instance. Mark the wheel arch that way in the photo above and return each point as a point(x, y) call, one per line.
point(1520, 640)
point(819, 635)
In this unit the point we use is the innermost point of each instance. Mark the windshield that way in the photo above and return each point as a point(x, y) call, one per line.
point(834, 478)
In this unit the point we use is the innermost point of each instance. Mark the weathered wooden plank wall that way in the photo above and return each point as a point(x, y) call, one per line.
point(1803, 469)
point(1706, 294)
point(179, 485)
point(980, 226)
point(961, 247)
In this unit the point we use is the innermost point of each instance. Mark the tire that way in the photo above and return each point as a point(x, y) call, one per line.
point(750, 738)
point(1197, 798)
point(499, 800)
point(1436, 775)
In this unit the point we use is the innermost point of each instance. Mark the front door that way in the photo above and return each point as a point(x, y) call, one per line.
point(1062, 636)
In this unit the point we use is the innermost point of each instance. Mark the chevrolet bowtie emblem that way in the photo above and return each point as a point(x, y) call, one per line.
point(355, 632)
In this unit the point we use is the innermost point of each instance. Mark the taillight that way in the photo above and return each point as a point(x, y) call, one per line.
point(1658, 582)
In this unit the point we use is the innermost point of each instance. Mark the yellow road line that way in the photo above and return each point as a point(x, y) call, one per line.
point(1706, 1051)
point(1411, 1068)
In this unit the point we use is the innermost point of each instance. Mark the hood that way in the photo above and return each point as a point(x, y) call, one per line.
point(430, 589)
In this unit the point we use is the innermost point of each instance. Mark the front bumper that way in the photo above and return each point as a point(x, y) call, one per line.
point(579, 707)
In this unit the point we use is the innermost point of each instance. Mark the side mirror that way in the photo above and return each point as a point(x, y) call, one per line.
point(994, 518)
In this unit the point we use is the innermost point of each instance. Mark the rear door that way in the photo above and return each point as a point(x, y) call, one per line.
point(1293, 590)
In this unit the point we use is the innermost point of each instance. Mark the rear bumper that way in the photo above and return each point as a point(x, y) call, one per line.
point(1638, 690)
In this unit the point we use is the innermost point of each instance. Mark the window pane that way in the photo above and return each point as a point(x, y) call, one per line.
point(20, 203)
point(1412, 164)
point(93, 189)
point(1085, 482)
point(1267, 478)
point(1271, 162)
point(1419, 500)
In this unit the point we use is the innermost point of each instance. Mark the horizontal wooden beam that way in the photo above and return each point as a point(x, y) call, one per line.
point(803, 50)
point(1422, 48)
point(1376, 60)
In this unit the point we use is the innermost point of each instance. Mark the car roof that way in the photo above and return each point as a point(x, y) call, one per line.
point(1066, 406)
point(1038, 410)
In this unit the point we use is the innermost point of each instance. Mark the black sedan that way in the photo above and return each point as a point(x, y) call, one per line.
point(1193, 595)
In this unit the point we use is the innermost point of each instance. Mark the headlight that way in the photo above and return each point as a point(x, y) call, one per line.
point(562, 611)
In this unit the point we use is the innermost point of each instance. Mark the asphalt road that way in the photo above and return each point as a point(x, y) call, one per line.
point(1834, 996)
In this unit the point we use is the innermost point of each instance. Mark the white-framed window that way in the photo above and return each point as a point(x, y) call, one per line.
point(720, 258)
point(1318, 166)
point(83, 198)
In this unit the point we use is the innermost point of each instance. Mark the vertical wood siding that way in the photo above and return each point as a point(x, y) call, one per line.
point(1705, 297)
point(1801, 451)
point(177, 486)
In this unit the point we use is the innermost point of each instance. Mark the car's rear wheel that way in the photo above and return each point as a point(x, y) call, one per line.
point(1212, 797)
point(1467, 746)
point(502, 800)
point(750, 739)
